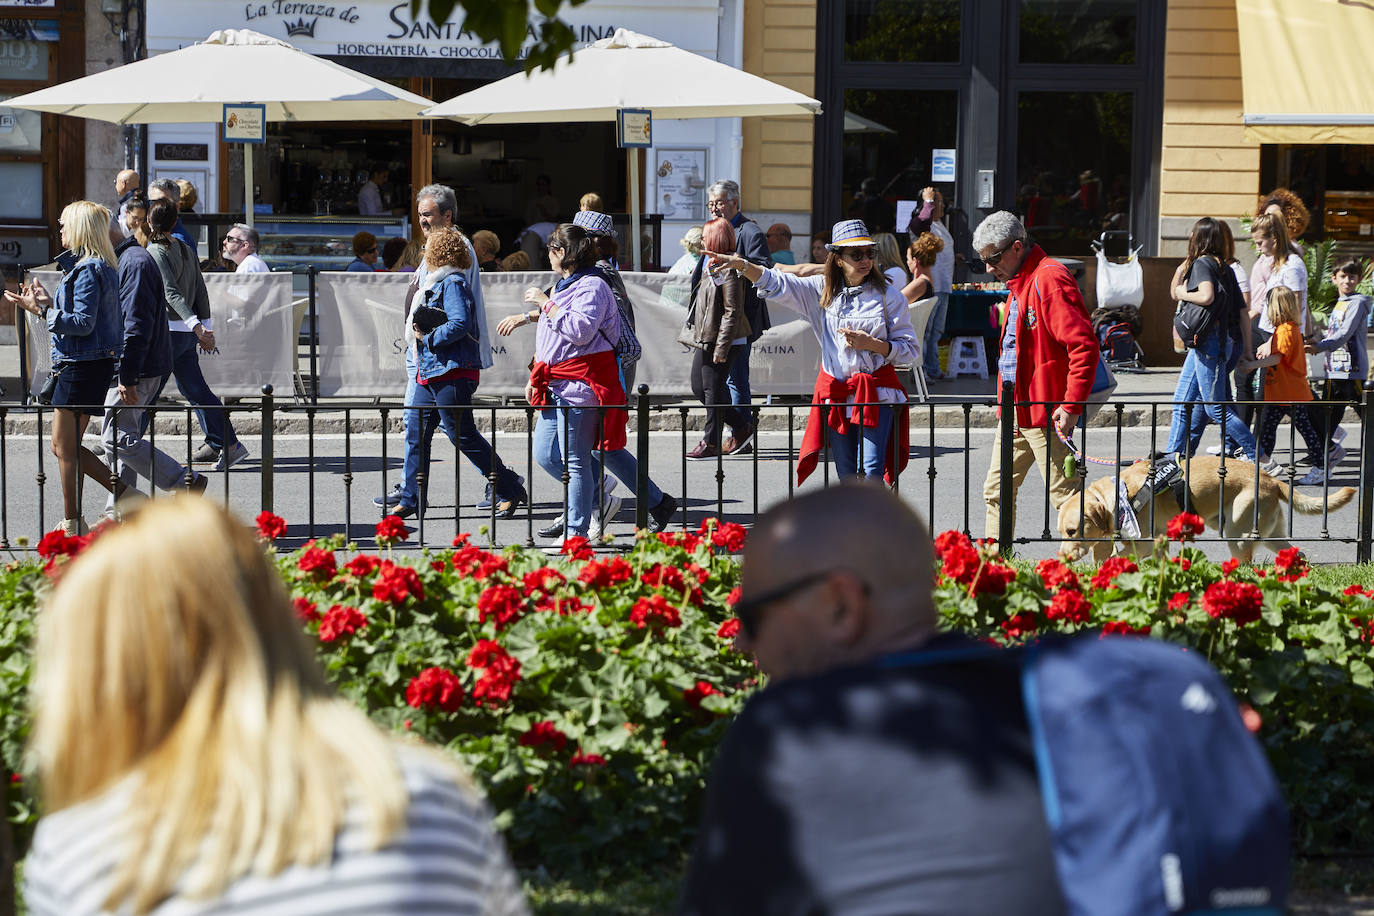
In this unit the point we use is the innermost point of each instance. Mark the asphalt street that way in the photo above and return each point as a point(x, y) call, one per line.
point(332, 489)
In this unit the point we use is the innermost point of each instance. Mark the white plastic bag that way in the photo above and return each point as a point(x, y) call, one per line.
point(1119, 284)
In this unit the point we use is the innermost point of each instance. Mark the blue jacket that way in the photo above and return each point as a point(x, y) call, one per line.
point(181, 232)
point(85, 319)
point(452, 345)
point(147, 342)
point(358, 265)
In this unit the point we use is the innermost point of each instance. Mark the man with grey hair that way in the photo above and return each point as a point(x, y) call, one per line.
point(241, 247)
point(1048, 352)
point(883, 769)
point(168, 189)
point(723, 200)
point(436, 207)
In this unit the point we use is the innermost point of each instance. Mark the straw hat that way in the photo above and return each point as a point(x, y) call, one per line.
point(849, 233)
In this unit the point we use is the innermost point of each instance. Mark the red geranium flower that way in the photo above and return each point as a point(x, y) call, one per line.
point(1290, 565)
point(461, 538)
point(1056, 574)
point(503, 604)
point(1122, 628)
point(435, 688)
point(732, 599)
point(362, 566)
point(993, 579)
point(1179, 600)
point(564, 606)
point(500, 674)
point(670, 577)
point(483, 651)
point(318, 563)
point(729, 629)
point(307, 611)
point(1020, 625)
point(544, 579)
point(395, 584)
point(579, 548)
point(1069, 605)
point(695, 694)
point(341, 620)
point(392, 530)
point(1356, 589)
point(1230, 566)
point(1182, 562)
point(946, 541)
point(1185, 526)
point(654, 611)
point(1105, 577)
point(55, 544)
point(729, 537)
point(599, 574)
point(1240, 601)
point(581, 759)
point(270, 527)
point(545, 736)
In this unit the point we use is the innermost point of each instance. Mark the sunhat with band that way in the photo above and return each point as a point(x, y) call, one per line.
point(595, 223)
point(848, 233)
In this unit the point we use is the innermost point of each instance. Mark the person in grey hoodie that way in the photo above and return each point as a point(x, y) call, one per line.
point(1347, 362)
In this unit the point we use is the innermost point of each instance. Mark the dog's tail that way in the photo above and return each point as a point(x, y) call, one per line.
point(1313, 505)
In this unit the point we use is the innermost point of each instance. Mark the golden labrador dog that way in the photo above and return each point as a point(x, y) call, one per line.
point(1204, 487)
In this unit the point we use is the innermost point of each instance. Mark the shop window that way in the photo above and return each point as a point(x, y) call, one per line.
point(902, 30)
point(1078, 31)
point(20, 131)
point(889, 139)
point(21, 190)
point(1073, 166)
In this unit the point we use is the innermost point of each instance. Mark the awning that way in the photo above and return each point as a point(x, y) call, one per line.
point(1305, 70)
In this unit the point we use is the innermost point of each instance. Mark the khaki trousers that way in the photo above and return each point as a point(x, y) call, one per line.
point(1028, 448)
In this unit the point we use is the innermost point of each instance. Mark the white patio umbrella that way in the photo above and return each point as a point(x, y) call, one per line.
point(232, 66)
point(857, 124)
point(626, 70)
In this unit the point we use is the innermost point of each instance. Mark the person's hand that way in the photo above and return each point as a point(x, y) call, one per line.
point(419, 334)
point(509, 324)
point(40, 296)
point(927, 194)
point(862, 340)
point(1064, 421)
point(720, 358)
point(529, 393)
point(128, 394)
point(1264, 349)
point(535, 296)
point(26, 299)
point(1310, 347)
point(205, 337)
point(726, 260)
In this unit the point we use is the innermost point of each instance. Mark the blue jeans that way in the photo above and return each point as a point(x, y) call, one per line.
point(552, 446)
point(738, 379)
point(418, 436)
point(448, 395)
point(935, 329)
point(862, 446)
point(623, 464)
point(194, 388)
point(1204, 378)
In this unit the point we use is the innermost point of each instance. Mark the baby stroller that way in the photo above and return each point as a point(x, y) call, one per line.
point(1120, 290)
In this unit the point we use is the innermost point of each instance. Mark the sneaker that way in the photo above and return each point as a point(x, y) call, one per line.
point(1335, 456)
point(703, 451)
point(1269, 465)
point(401, 510)
point(552, 530)
point(97, 449)
point(1338, 434)
point(740, 444)
point(1214, 449)
point(485, 502)
point(596, 527)
point(506, 506)
point(392, 497)
point(660, 514)
point(232, 456)
point(198, 484)
point(1313, 476)
point(610, 505)
point(206, 454)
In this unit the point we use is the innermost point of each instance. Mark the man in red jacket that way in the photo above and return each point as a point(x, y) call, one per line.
point(1048, 352)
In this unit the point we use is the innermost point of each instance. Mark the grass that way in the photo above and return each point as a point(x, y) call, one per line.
point(604, 894)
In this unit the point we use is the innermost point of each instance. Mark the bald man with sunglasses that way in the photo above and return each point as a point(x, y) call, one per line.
point(879, 771)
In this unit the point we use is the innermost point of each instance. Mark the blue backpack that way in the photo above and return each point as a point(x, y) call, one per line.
point(1158, 799)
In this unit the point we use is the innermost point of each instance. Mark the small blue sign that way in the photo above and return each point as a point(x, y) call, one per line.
point(942, 164)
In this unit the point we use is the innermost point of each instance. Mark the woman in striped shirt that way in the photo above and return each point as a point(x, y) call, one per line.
point(192, 758)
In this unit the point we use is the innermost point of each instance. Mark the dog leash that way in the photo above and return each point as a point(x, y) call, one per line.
point(1071, 460)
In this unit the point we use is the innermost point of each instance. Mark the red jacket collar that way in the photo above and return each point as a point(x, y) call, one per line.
point(1028, 267)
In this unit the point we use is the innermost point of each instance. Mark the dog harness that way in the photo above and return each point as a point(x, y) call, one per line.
point(1166, 474)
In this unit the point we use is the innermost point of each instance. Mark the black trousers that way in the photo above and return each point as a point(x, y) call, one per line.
point(708, 385)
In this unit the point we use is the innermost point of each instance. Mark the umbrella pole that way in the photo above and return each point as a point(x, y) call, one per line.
point(248, 184)
point(634, 208)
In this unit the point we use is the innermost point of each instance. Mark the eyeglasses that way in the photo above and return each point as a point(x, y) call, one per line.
point(858, 254)
point(235, 239)
point(714, 205)
point(748, 609)
point(995, 258)
point(372, 250)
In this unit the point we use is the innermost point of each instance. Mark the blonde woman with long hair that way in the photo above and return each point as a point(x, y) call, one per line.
point(864, 327)
point(192, 758)
point(87, 328)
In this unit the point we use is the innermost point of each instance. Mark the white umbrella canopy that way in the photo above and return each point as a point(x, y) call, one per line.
point(627, 70)
point(192, 84)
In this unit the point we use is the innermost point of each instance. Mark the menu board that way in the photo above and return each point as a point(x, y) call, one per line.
point(681, 183)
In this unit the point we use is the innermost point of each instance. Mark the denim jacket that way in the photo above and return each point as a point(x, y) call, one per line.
point(454, 344)
point(86, 320)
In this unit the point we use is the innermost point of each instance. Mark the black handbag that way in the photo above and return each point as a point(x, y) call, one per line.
point(45, 393)
point(428, 317)
point(1193, 322)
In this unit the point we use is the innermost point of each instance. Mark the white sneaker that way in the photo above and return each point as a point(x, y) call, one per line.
point(1214, 449)
point(1335, 456)
point(1268, 464)
point(1314, 476)
point(1338, 434)
point(231, 456)
point(610, 505)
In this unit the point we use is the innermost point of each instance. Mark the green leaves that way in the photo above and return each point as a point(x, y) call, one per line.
point(507, 23)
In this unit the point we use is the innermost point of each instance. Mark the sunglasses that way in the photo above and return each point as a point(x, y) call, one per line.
point(858, 254)
point(748, 609)
point(995, 258)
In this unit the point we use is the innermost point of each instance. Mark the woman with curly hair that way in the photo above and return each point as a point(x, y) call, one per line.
point(920, 259)
point(1288, 207)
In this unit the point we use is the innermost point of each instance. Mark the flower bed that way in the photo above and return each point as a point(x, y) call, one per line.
point(588, 692)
